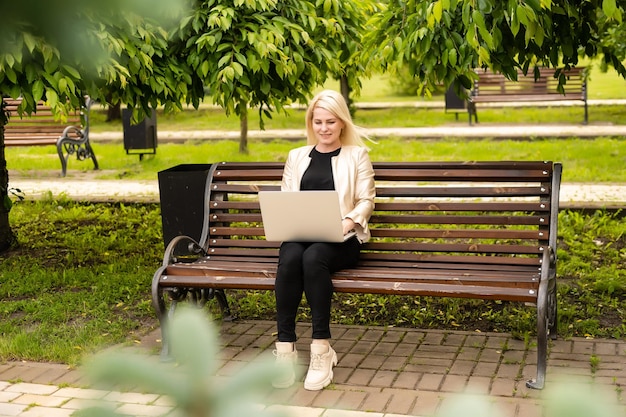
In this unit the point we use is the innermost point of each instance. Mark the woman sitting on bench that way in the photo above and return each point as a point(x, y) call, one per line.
point(335, 158)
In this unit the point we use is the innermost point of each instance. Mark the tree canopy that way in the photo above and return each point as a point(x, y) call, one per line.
point(60, 50)
point(442, 41)
point(266, 54)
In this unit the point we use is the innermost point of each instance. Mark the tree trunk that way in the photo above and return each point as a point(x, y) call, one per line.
point(345, 89)
point(7, 238)
point(114, 112)
point(345, 92)
point(243, 124)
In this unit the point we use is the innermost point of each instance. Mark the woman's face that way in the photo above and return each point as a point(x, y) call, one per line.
point(327, 128)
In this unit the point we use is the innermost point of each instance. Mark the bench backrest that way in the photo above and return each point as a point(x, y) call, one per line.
point(527, 87)
point(501, 214)
point(39, 128)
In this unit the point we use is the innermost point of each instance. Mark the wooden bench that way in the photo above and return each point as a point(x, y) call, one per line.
point(495, 88)
point(482, 230)
point(41, 128)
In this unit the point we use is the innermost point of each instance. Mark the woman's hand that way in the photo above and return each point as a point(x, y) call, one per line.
point(348, 225)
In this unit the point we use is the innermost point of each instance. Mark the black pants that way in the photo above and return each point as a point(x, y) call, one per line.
point(307, 267)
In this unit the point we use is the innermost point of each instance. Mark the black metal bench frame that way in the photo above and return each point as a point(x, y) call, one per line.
point(482, 230)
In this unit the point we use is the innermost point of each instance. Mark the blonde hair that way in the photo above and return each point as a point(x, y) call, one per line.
point(334, 102)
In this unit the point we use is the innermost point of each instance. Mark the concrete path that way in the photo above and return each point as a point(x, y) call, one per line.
point(480, 131)
point(573, 195)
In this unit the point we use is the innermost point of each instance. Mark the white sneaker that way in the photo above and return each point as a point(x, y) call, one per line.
point(320, 374)
point(287, 358)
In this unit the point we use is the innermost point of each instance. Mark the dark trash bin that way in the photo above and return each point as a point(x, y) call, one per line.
point(141, 138)
point(181, 193)
point(454, 103)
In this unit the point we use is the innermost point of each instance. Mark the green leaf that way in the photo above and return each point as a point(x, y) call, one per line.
point(11, 75)
point(452, 57)
point(37, 90)
point(397, 43)
point(62, 85)
point(52, 98)
point(241, 58)
point(30, 42)
point(521, 15)
point(224, 60)
point(327, 6)
point(534, 4)
point(484, 55)
point(238, 68)
point(204, 68)
point(539, 35)
point(265, 86)
point(609, 7)
point(72, 71)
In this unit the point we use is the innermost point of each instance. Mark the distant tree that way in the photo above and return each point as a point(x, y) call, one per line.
point(266, 54)
point(442, 41)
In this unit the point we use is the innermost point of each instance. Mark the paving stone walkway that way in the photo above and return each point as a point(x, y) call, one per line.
point(381, 372)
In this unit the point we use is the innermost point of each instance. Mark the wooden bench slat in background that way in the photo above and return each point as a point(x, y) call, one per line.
point(483, 230)
point(41, 129)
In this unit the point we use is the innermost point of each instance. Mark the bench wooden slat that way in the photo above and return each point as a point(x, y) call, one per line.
point(463, 206)
point(452, 191)
point(527, 277)
point(446, 260)
point(405, 219)
point(416, 206)
point(30, 126)
point(500, 175)
point(220, 246)
point(399, 260)
point(494, 98)
point(458, 219)
point(355, 286)
point(32, 142)
point(409, 233)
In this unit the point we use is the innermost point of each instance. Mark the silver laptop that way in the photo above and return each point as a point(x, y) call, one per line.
point(302, 216)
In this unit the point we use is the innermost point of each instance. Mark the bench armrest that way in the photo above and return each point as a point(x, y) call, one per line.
point(182, 249)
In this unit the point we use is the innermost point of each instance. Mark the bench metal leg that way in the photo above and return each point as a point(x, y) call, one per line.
point(552, 309)
point(69, 145)
point(158, 303)
point(471, 111)
point(542, 338)
point(198, 297)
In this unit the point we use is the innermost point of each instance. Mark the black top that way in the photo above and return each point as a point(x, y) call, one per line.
point(319, 174)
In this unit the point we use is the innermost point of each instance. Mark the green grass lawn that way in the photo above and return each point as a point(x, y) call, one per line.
point(584, 160)
point(207, 118)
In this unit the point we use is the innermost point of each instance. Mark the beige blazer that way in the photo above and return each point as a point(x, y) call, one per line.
point(354, 181)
